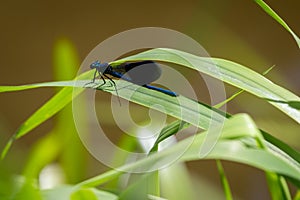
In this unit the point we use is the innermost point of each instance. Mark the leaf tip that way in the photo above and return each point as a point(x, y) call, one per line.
point(7, 147)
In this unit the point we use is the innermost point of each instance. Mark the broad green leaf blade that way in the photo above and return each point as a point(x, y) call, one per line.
point(180, 107)
point(227, 71)
point(225, 149)
point(174, 106)
point(235, 150)
point(274, 15)
point(150, 93)
point(283, 149)
point(168, 55)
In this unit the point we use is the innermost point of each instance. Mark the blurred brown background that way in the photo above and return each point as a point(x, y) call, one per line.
point(236, 30)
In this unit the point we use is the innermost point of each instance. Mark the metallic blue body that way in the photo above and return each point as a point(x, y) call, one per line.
point(135, 72)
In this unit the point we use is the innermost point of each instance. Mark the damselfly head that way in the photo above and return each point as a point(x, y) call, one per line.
point(95, 65)
point(101, 67)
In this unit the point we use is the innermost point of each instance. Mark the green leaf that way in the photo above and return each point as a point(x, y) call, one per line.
point(278, 187)
point(243, 151)
point(227, 71)
point(180, 107)
point(283, 148)
point(235, 150)
point(167, 131)
point(273, 14)
point(224, 180)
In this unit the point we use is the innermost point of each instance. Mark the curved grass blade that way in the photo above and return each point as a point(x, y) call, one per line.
point(142, 96)
point(179, 107)
point(242, 151)
point(227, 71)
point(174, 127)
point(232, 73)
point(278, 146)
point(274, 15)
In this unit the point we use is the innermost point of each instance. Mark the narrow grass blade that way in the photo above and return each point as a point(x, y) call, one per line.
point(278, 187)
point(224, 180)
point(275, 16)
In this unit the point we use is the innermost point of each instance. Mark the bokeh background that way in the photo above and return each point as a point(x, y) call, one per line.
point(236, 30)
